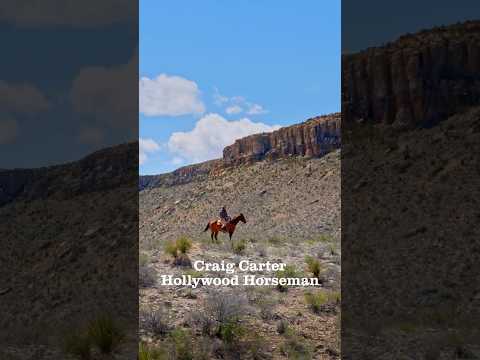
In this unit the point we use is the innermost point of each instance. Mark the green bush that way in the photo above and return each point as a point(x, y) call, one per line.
point(231, 331)
point(296, 348)
point(239, 247)
point(104, 333)
point(182, 344)
point(78, 345)
point(179, 246)
point(148, 352)
point(171, 249)
point(288, 272)
point(313, 265)
point(318, 299)
point(183, 244)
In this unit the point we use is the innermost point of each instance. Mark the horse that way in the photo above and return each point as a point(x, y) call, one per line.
point(215, 226)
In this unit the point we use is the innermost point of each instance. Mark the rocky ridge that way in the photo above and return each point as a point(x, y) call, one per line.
point(313, 138)
point(416, 80)
point(102, 170)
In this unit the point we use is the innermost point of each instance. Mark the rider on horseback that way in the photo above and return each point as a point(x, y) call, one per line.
point(224, 217)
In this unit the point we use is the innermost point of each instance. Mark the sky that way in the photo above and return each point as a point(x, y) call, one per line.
point(214, 71)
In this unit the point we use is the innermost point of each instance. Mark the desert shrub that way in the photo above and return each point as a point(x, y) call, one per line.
point(193, 273)
point(231, 331)
point(202, 321)
point(313, 265)
point(288, 272)
point(178, 250)
point(105, 333)
point(282, 327)
point(183, 244)
point(154, 321)
point(239, 247)
point(296, 348)
point(276, 240)
point(256, 348)
point(318, 300)
point(182, 346)
point(171, 249)
point(266, 306)
point(78, 344)
point(149, 352)
point(226, 307)
point(147, 276)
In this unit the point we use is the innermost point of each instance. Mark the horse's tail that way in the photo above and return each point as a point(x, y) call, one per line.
point(208, 225)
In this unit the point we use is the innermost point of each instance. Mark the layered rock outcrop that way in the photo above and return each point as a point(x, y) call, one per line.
point(313, 138)
point(417, 80)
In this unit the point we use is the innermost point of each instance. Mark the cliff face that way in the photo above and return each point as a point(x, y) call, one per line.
point(313, 138)
point(417, 80)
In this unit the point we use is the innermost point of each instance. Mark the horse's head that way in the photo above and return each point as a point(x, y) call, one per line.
point(242, 218)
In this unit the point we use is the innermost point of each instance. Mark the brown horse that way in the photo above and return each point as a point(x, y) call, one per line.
point(215, 226)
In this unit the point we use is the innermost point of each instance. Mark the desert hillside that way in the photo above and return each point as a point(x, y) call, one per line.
point(287, 185)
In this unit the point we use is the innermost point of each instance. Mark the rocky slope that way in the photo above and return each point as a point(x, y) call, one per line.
point(68, 251)
point(293, 198)
point(292, 208)
point(417, 80)
point(410, 190)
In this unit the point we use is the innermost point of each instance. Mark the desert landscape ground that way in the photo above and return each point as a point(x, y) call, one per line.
point(292, 207)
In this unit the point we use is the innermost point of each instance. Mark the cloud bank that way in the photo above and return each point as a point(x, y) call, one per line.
point(169, 96)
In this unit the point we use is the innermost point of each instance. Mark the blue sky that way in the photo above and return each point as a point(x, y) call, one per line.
point(212, 71)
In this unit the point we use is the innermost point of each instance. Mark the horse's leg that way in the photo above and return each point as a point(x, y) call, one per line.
point(216, 236)
point(211, 235)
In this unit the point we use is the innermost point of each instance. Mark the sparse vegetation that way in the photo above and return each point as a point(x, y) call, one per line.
point(296, 348)
point(78, 344)
point(317, 300)
point(171, 249)
point(239, 247)
point(105, 333)
point(181, 341)
point(178, 250)
point(147, 276)
point(155, 321)
point(183, 244)
point(313, 265)
point(288, 272)
point(225, 308)
point(150, 352)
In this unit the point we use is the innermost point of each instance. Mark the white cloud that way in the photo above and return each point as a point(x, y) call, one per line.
point(8, 131)
point(145, 147)
point(210, 135)
point(255, 109)
point(218, 98)
point(237, 104)
point(169, 96)
point(22, 98)
point(234, 109)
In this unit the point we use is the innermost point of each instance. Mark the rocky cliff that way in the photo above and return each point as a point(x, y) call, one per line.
point(313, 138)
point(417, 80)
